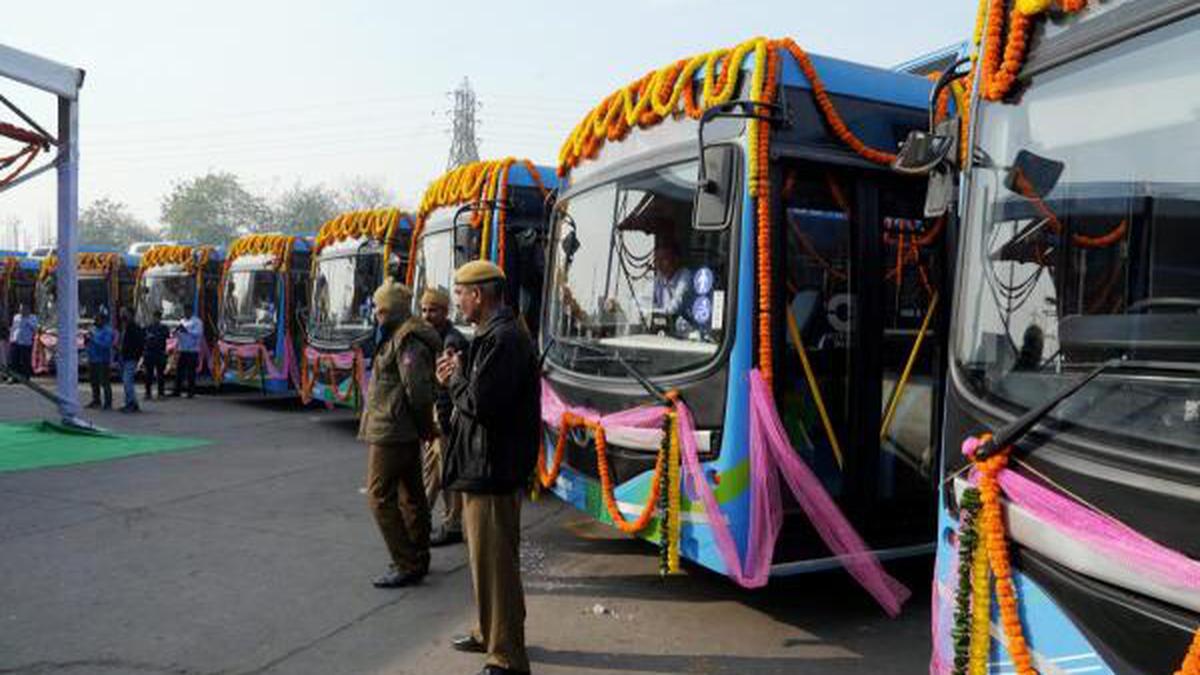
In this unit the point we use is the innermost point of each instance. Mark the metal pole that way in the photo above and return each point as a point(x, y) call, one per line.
point(67, 277)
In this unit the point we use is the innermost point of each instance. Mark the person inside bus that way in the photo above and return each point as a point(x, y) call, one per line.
point(672, 282)
point(1032, 346)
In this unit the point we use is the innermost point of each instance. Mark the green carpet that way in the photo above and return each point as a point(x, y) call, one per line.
point(34, 445)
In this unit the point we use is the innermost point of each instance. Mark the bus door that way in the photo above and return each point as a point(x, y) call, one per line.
point(855, 390)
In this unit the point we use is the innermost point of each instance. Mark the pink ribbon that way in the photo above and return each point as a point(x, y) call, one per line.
point(771, 453)
point(1117, 541)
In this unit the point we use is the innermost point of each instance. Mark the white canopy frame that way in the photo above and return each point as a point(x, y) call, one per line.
point(63, 82)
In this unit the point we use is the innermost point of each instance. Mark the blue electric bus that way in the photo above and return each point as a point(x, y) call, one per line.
point(1076, 345)
point(105, 282)
point(263, 300)
point(170, 279)
point(351, 256)
point(733, 218)
point(493, 210)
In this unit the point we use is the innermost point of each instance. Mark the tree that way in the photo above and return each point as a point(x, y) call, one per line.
point(213, 209)
point(361, 193)
point(108, 223)
point(303, 209)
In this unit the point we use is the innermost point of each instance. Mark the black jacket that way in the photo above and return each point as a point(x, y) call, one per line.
point(133, 340)
point(497, 411)
point(452, 338)
point(156, 341)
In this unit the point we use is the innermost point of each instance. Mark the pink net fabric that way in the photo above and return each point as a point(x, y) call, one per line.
point(771, 454)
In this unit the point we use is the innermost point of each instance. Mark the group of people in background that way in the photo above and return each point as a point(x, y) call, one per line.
point(131, 345)
point(458, 420)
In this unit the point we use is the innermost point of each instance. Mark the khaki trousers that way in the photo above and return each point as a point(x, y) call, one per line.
point(492, 528)
point(431, 467)
point(397, 500)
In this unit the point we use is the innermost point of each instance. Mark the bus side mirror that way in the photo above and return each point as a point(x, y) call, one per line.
point(932, 154)
point(1032, 175)
point(712, 202)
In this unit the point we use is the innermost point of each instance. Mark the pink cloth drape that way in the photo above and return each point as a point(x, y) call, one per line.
point(256, 350)
point(344, 360)
point(771, 454)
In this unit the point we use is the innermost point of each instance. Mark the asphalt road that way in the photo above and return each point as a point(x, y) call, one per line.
point(254, 554)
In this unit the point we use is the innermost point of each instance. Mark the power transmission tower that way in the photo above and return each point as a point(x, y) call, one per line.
point(464, 147)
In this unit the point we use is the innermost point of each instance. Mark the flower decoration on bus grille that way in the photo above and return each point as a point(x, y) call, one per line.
point(475, 183)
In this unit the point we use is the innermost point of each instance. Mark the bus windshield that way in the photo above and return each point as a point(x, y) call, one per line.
point(1080, 242)
point(341, 300)
point(167, 293)
point(248, 304)
point(631, 275)
point(93, 299)
point(435, 267)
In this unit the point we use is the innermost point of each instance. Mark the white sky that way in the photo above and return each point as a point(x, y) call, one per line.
point(279, 91)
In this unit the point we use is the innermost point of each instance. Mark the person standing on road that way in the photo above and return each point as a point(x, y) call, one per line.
point(154, 358)
point(435, 309)
point(493, 448)
point(189, 333)
point(20, 342)
point(100, 356)
point(398, 416)
point(133, 341)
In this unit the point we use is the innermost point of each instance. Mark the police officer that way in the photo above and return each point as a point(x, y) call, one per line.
point(435, 309)
point(493, 447)
point(398, 416)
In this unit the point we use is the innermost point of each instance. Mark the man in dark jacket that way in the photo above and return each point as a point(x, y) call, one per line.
point(493, 447)
point(435, 309)
point(398, 416)
point(154, 358)
point(133, 340)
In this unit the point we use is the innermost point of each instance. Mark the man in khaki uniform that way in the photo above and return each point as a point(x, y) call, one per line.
point(435, 309)
point(494, 431)
point(398, 415)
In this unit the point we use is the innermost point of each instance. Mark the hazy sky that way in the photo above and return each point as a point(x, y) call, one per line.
point(279, 92)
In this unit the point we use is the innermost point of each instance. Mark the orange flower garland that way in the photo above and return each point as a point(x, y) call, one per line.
point(474, 182)
point(1005, 44)
point(547, 477)
point(996, 546)
point(1191, 662)
point(279, 246)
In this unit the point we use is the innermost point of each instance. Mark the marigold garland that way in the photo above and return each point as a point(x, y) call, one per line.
point(981, 617)
point(968, 544)
point(1005, 43)
point(476, 182)
point(278, 246)
point(674, 495)
point(381, 224)
point(1191, 662)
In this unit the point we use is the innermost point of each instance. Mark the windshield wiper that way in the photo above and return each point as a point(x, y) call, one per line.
point(1016, 429)
point(614, 356)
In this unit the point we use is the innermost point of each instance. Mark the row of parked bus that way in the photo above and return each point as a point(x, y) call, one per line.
point(758, 264)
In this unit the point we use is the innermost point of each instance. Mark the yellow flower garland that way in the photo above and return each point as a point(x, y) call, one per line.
point(981, 615)
point(674, 496)
point(279, 246)
point(475, 182)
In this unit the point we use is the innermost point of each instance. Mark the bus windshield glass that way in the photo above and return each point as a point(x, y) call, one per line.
point(631, 276)
point(166, 293)
point(341, 300)
point(248, 306)
point(93, 300)
point(1080, 242)
point(435, 267)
